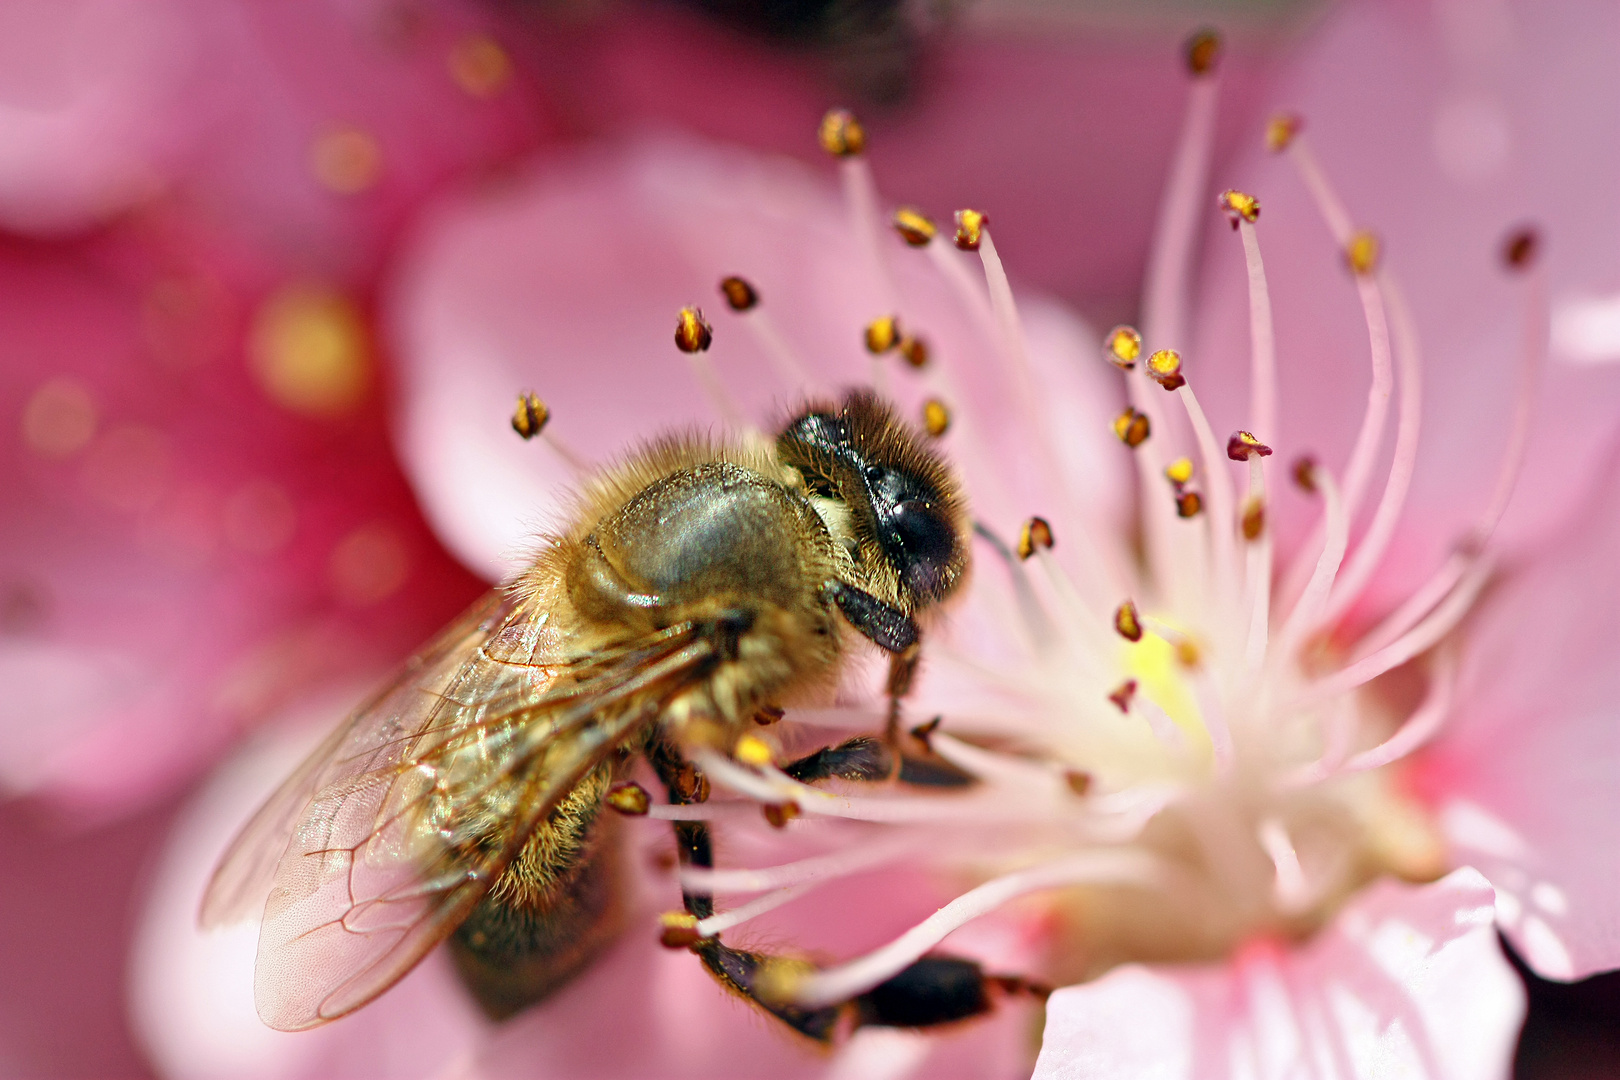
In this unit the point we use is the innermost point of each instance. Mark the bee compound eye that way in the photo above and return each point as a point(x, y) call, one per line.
point(923, 530)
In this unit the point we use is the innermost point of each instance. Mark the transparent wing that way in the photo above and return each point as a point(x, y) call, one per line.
point(382, 842)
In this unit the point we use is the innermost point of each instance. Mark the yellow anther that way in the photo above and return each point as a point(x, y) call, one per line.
point(629, 798)
point(970, 226)
point(1179, 471)
point(882, 335)
point(1124, 345)
point(1188, 504)
point(1254, 519)
point(739, 294)
point(1281, 129)
point(779, 814)
point(1122, 695)
point(678, 929)
point(692, 332)
point(1203, 51)
point(1036, 535)
point(1187, 654)
point(1242, 446)
point(1362, 252)
point(752, 750)
point(1164, 367)
point(936, 417)
point(1240, 206)
point(914, 349)
point(841, 134)
point(1305, 473)
point(1132, 427)
point(1520, 247)
point(1079, 782)
point(530, 418)
point(311, 350)
point(1127, 622)
point(914, 226)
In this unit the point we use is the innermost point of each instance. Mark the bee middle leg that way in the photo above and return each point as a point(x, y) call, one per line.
point(933, 990)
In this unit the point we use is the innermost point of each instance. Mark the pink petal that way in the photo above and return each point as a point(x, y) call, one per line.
point(1524, 776)
point(1407, 981)
point(567, 282)
point(1444, 145)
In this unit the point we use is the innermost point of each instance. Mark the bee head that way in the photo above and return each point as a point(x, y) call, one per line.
point(905, 511)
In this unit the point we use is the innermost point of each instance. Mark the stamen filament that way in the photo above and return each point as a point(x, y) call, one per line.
point(1262, 340)
point(1033, 616)
point(725, 920)
point(835, 864)
point(1219, 483)
point(1306, 611)
point(780, 354)
point(1376, 539)
point(847, 980)
point(1424, 723)
point(1258, 570)
point(861, 195)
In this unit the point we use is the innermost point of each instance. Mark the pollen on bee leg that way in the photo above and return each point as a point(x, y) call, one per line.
point(936, 418)
point(1122, 694)
point(1132, 428)
point(915, 227)
point(752, 750)
point(678, 930)
point(1122, 346)
point(628, 798)
point(970, 226)
point(1164, 368)
point(1036, 535)
point(1127, 622)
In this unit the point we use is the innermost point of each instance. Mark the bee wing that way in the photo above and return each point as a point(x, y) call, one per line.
point(398, 824)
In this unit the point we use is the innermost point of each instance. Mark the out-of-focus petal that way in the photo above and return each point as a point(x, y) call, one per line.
point(1441, 127)
point(1408, 981)
point(192, 990)
point(567, 283)
point(1524, 776)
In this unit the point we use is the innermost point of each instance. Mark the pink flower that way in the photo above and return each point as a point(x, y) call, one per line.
point(1218, 796)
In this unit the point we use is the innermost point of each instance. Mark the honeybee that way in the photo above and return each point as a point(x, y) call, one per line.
point(701, 584)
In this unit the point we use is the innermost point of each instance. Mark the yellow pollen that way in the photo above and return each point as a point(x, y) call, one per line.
point(1036, 535)
point(346, 161)
point(914, 349)
point(1520, 248)
point(531, 416)
point(1240, 206)
point(1254, 519)
point(629, 798)
point(739, 294)
point(678, 929)
point(1132, 427)
point(841, 135)
point(1124, 345)
point(970, 226)
point(693, 334)
point(1127, 623)
point(1203, 50)
point(310, 350)
point(1242, 446)
point(914, 226)
point(1179, 471)
point(778, 978)
point(1158, 666)
point(752, 750)
point(1362, 252)
point(936, 418)
point(480, 66)
point(1188, 504)
point(1281, 129)
point(882, 335)
point(1164, 367)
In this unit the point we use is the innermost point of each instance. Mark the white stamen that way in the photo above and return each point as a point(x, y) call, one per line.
point(860, 193)
point(1290, 890)
point(1334, 215)
point(788, 367)
point(720, 400)
point(1219, 482)
point(847, 980)
point(1424, 723)
point(1262, 340)
point(1258, 569)
point(725, 920)
point(1371, 548)
point(1309, 607)
point(1164, 729)
point(827, 867)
